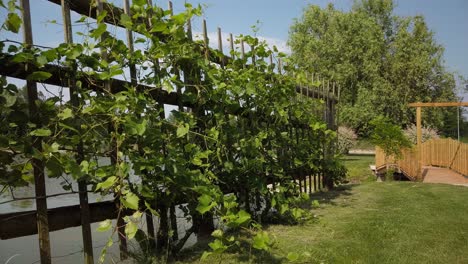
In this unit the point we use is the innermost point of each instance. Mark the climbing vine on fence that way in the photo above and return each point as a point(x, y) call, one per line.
point(231, 152)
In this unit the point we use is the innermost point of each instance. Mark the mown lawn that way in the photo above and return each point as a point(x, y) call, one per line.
point(358, 168)
point(391, 222)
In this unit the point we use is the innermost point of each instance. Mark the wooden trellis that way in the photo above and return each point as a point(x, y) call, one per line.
point(44, 220)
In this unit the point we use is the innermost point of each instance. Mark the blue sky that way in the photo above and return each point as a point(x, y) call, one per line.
point(447, 18)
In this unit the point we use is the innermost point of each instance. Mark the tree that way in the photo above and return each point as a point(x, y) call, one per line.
point(389, 137)
point(381, 61)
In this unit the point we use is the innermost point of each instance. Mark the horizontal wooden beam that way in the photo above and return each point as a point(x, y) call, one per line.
point(438, 104)
point(21, 224)
point(61, 74)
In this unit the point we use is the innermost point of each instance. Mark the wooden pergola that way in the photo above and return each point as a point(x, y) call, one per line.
point(419, 107)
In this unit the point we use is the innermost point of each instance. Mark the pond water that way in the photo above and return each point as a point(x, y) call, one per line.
point(66, 244)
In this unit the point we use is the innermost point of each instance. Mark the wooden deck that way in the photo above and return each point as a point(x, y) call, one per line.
point(437, 160)
point(443, 175)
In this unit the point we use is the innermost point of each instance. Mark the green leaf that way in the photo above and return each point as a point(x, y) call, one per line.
point(13, 22)
point(205, 255)
point(141, 128)
point(130, 201)
point(109, 182)
point(101, 16)
point(182, 130)
point(242, 217)
point(104, 225)
point(41, 132)
point(139, 2)
point(39, 76)
point(54, 168)
point(261, 241)
point(126, 21)
point(66, 113)
point(97, 33)
point(293, 256)
point(10, 99)
point(205, 204)
point(152, 211)
point(218, 233)
point(130, 229)
point(217, 246)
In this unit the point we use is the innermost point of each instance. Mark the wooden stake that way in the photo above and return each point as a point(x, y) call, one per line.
point(133, 74)
point(418, 141)
point(114, 159)
point(205, 40)
point(38, 165)
point(220, 46)
point(82, 184)
point(231, 40)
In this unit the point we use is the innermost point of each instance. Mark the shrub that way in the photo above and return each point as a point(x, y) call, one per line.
point(427, 133)
point(347, 139)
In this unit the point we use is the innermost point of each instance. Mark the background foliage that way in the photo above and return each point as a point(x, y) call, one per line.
point(382, 62)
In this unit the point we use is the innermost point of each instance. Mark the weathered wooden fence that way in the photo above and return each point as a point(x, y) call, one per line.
point(447, 153)
point(44, 220)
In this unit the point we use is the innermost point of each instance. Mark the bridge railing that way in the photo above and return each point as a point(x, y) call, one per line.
point(447, 153)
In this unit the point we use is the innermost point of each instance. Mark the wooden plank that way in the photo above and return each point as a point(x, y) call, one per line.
point(438, 104)
point(419, 141)
point(60, 75)
point(37, 164)
point(21, 224)
point(82, 184)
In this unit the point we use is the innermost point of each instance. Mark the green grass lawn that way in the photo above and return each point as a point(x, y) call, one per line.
point(358, 168)
point(391, 222)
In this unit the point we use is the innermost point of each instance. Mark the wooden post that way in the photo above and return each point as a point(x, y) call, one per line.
point(38, 165)
point(114, 156)
point(231, 42)
point(206, 40)
point(220, 47)
point(242, 49)
point(82, 185)
point(419, 139)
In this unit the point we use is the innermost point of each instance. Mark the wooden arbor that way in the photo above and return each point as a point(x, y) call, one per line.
point(418, 124)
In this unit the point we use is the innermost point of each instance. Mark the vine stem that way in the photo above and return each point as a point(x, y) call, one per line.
point(41, 197)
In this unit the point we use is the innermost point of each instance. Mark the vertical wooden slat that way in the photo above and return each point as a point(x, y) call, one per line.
point(220, 47)
point(114, 158)
point(418, 141)
point(242, 49)
point(129, 33)
point(133, 78)
point(38, 165)
point(231, 42)
point(206, 40)
point(82, 184)
point(280, 66)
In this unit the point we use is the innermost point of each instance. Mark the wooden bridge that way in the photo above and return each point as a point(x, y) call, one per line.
point(436, 161)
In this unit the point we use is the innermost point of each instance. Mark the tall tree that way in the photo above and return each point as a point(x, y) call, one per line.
point(381, 61)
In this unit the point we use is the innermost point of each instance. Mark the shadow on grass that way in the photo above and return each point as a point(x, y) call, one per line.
point(330, 196)
point(246, 254)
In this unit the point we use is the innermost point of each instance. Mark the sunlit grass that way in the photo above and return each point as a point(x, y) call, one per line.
point(358, 168)
point(395, 222)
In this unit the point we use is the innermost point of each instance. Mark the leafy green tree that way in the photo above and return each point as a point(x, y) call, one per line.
point(381, 61)
point(390, 138)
